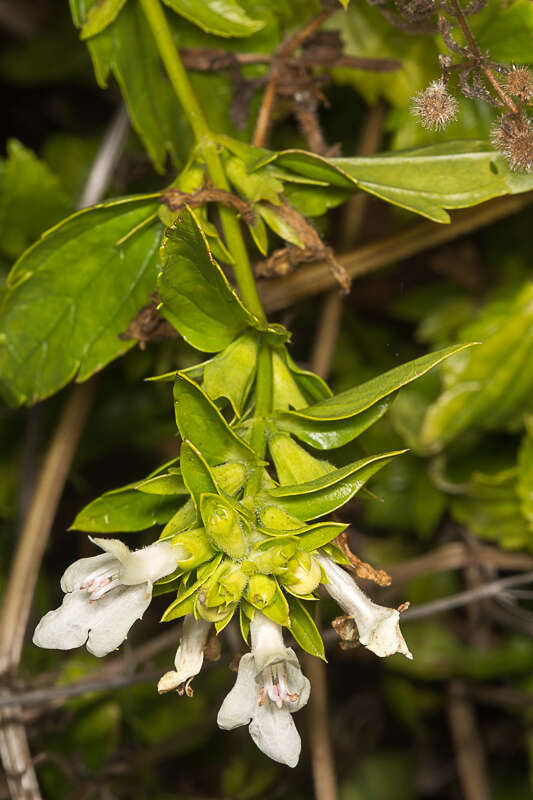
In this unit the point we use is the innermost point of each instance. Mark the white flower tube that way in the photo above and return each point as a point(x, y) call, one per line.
point(105, 595)
point(378, 626)
point(189, 657)
point(269, 688)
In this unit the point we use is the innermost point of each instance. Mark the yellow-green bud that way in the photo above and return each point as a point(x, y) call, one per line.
point(215, 614)
point(230, 476)
point(196, 544)
point(303, 574)
point(223, 526)
point(274, 559)
point(260, 591)
point(293, 463)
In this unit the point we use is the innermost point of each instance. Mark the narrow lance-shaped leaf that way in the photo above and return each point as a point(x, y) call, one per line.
point(329, 434)
point(323, 495)
point(73, 293)
point(354, 401)
point(200, 421)
point(304, 630)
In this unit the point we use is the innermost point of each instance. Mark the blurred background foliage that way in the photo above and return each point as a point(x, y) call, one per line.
point(464, 490)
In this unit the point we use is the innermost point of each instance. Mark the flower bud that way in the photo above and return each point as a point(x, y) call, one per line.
point(222, 525)
point(230, 477)
point(274, 559)
point(196, 546)
point(210, 613)
point(303, 574)
point(293, 463)
point(260, 591)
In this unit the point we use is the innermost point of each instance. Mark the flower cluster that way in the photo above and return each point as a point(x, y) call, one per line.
point(244, 532)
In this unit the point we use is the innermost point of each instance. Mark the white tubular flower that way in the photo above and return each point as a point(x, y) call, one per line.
point(189, 657)
point(269, 688)
point(378, 626)
point(105, 595)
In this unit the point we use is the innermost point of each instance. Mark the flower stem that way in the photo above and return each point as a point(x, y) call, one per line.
point(182, 86)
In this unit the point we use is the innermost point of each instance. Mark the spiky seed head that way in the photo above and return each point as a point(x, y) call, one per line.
point(513, 136)
point(519, 82)
point(435, 107)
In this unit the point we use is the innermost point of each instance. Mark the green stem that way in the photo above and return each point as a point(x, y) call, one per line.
point(185, 93)
point(263, 407)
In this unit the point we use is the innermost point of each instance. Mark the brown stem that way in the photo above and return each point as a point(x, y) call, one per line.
point(292, 43)
point(278, 293)
point(465, 27)
point(322, 761)
point(18, 596)
point(468, 745)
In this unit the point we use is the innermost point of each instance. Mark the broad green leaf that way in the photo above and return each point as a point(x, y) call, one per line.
point(101, 14)
point(196, 296)
point(31, 200)
point(505, 31)
point(304, 630)
point(231, 373)
point(285, 390)
point(329, 434)
point(200, 421)
point(324, 495)
point(73, 293)
point(196, 472)
point(426, 180)
point(353, 401)
point(490, 384)
point(128, 49)
point(221, 17)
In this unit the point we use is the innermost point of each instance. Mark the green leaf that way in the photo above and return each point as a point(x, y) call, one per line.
point(279, 224)
point(426, 180)
point(231, 373)
point(490, 384)
point(196, 296)
point(278, 609)
point(353, 401)
point(196, 473)
point(169, 483)
point(31, 200)
point(329, 434)
point(304, 629)
point(505, 31)
point(221, 17)
point(101, 14)
point(180, 606)
point(73, 293)
point(318, 535)
point(128, 49)
point(125, 510)
point(200, 421)
point(323, 495)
